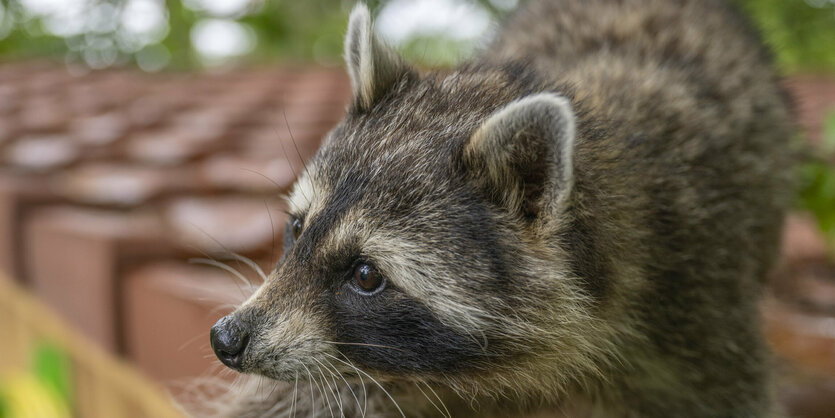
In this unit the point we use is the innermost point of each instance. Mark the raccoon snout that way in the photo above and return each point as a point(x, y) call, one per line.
point(229, 338)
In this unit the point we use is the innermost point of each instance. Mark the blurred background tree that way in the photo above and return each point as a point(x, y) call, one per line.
point(183, 34)
point(817, 185)
point(801, 32)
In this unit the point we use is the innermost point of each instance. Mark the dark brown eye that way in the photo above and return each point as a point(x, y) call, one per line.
point(297, 227)
point(367, 278)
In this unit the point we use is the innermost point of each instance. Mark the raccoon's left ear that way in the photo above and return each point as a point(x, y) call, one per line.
point(522, 155)
point(373, 66)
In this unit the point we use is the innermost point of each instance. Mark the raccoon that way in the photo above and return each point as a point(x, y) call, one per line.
point(578, 220)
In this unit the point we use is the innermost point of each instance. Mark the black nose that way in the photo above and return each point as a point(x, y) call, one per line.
point(229, 338)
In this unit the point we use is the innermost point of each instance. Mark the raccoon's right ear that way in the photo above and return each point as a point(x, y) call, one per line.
point(522, 156)
point(373, 66)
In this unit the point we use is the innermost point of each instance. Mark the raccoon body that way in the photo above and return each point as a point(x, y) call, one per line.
point(579, 219)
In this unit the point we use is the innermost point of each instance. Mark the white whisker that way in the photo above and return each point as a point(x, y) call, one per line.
point(248, 261)
point(335, 393)
point(439, 399)
point(362, 382)
point(427, 398)
point(396, 405)
point(325, 365)
point(312, 394)
point(222, 266)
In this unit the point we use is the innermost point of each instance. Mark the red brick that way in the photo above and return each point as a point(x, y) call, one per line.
point(802, 239)
point(100, 129)
point(815, 100)
point(808, 396)
point(121, 184)
point(41, 153)
point(42, 114)
point(801, 337)
point(74, 255)
point(255, 173)
point(17, 195)
point(246, 225)
point(93, 185)
point(168, 311)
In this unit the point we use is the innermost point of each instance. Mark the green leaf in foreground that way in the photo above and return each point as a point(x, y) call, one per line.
point(52, 367)
point(817, 185)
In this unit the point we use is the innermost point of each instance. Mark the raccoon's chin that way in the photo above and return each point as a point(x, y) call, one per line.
point(290, 376)
point(290, 370)
point(284, 371)
point(283, 376)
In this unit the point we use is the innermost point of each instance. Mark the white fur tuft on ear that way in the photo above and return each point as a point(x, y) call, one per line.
point(524, 153)
point(372, 65)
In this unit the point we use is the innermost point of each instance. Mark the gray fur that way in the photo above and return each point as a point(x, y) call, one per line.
point(579, 219)
point(372, 65)
point(509, 137)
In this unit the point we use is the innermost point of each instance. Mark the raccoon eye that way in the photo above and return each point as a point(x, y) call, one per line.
point(296, 227)
point(367, 278)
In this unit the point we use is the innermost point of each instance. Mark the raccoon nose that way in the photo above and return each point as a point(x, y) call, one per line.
point(229, 338)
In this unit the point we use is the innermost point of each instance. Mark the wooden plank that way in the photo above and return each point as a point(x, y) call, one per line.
point(105, 386)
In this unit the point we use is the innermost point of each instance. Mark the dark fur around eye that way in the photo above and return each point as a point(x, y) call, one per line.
point(396, 334)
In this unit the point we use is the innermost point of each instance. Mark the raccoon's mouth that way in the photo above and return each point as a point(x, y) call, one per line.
point(318, 369)
point(310, 359)
point(311, 368)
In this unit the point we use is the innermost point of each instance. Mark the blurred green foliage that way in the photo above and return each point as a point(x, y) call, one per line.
point(801, 32)
point(817, 191)
point(284, 29)
point(43, 391)
point(52, 366)
point(287, 30)
point(23, 38)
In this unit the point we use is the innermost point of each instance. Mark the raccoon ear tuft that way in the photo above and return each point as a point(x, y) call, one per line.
point(372, 65)
point(522, 156)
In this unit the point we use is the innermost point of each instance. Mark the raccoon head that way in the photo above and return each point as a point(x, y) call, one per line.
point(423, 241)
